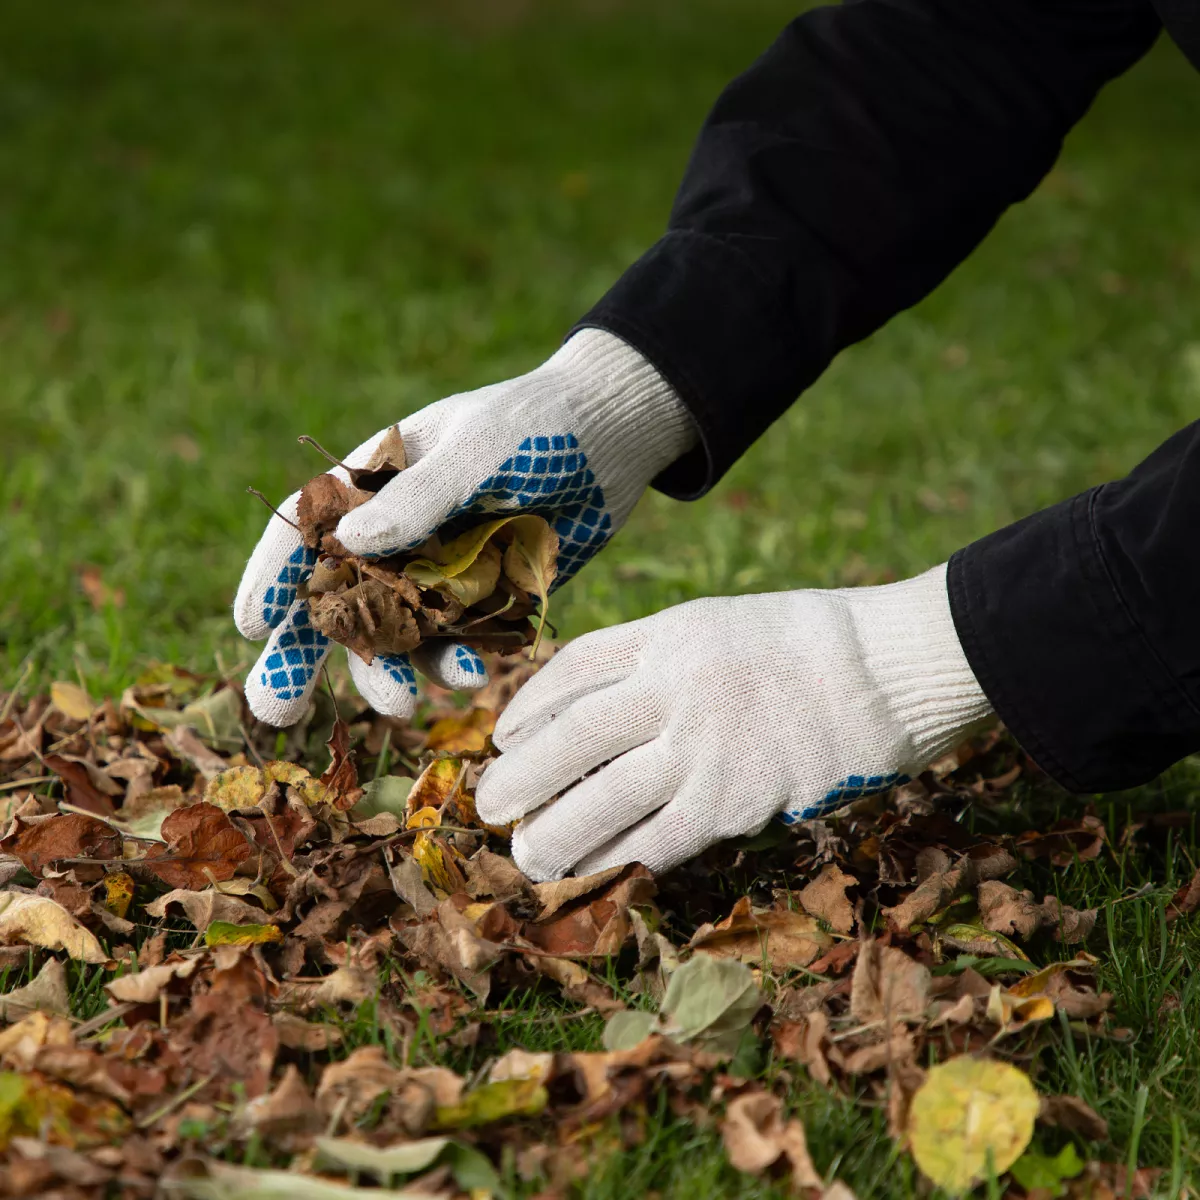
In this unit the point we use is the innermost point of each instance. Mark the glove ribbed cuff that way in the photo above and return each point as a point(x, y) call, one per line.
point(629, 417)
point(911, 650)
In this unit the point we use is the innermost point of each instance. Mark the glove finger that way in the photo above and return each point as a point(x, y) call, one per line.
point(450, 665)
point(388, 684)
point(588, 664)
point(660, 842)
point(404, 512)
point(548, 843)
point(593, 730)
point(280, 683)
point(268, 585)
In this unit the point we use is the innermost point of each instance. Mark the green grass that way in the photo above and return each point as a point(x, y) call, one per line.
point(223, 225)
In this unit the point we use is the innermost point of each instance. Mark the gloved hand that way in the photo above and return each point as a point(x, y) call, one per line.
point(576, 440)
point(708, 719)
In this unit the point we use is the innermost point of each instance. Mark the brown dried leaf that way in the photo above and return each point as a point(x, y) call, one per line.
point(779, 939)
point(888, 985)
point(1074, 1115)
point(323, 502)
point(202, 846)
point(341, 776)
point(825, 897)
point(757, 1137)
point(70, 835)
point(83, 785)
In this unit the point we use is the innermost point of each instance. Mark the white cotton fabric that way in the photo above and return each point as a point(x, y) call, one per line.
point(626, 422)
point(708, 719)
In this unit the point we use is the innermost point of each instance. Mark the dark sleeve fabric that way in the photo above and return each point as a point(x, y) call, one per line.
point(840, 179)
point(1082, 623)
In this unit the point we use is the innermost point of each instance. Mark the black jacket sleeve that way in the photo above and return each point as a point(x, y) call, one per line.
point(1082, 623)
point(842, 178)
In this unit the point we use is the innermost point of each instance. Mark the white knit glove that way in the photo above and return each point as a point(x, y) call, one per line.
point(576, 440)
point(708, 719)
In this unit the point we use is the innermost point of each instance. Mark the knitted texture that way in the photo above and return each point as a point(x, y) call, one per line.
point(577, 441)
point(709, 719)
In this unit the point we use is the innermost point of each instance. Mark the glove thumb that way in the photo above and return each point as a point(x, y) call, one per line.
point(406, 511)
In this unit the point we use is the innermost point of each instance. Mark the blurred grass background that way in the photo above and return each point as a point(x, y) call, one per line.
point(222, 225)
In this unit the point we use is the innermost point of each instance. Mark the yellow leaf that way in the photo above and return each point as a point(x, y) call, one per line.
point(71, 700)
point(244, 787)
point(424, 818)
point(493, 1102)
point(462, 735)
point(437, 862)
point(967, 1110)
point(33, 1106)
point(27, 920)
point(226, 933)
point(118, 893)
point(531, 562)
point(435, 785)
point(456, 555)
point(1035, 984)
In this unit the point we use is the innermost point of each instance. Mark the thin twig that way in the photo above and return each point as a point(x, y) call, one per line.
point(254, 754)
point(175, 1101)
point(388, 842)
point(312, 441)
point(33, 779)
point(107, 1017)
point(255, 492)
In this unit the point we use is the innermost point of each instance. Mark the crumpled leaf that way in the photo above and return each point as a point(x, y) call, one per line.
point(966, 1109)
point(531, 562)
point(777, 939)
point(204, 907)
point(825, 897)
point(471, 1169)
point(118, 892)
point(756, 1137)
point(46, 992)
point(245, 787)
point(40, 921)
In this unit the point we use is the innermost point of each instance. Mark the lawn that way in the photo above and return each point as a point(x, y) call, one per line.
point(225, 225)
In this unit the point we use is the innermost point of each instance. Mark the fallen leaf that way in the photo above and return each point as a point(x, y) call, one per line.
point(1066, 841)
point(118, 892)
point(203, 908)
point(1186, 900)
point(1033, 1170)
point(224, 933)
point(888, 986)
point(84, 788)
point(206, 1179)
point(756, 1137)
point(46, 992)
point(71, 700)
point(203, 847)
point(246, 787)
point(967, 1111)
point(146, 985)
point(69, 835)
point(825, 897)
point(493, 1102)
point(465, 734)
point(286, 1112)
point(1074, 1115)
point(39, 921)
point(469, 1167)
point(776, 939)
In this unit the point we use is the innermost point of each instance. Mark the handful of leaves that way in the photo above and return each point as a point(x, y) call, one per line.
point(482, 587)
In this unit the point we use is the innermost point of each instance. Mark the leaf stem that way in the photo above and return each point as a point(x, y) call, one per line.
point(312, 441)
point(255, 492)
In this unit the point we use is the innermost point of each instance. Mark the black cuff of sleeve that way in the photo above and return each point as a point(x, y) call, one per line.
point(688, 305)
point(1059, 655)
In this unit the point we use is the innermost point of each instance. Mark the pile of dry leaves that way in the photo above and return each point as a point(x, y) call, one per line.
point(268, 952)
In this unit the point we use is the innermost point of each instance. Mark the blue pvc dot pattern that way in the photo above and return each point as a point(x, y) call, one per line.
point(550, 477)
point(853, 787)
point(289, 668)
point(280, 596)
point(467, 660)
point(398, 669)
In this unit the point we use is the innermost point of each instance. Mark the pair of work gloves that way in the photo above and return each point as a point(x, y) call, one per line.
point(653, 739)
